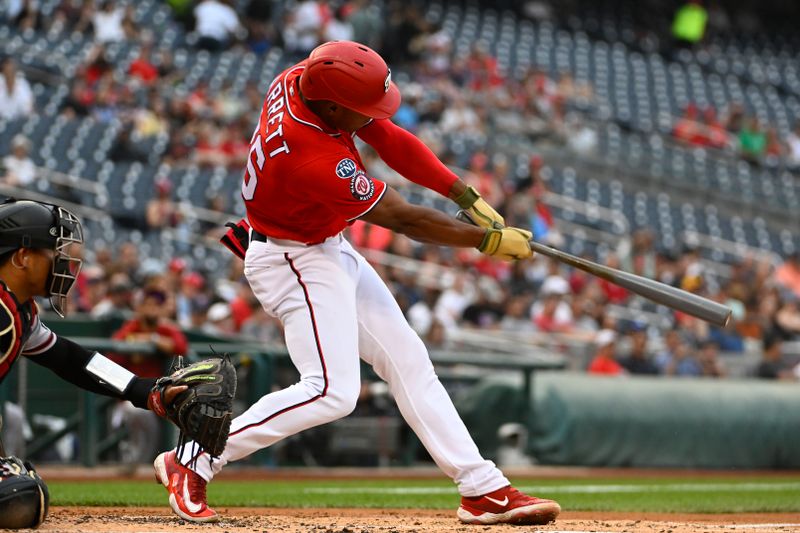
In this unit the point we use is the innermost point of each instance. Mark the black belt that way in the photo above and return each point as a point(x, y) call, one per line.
point(260, 237)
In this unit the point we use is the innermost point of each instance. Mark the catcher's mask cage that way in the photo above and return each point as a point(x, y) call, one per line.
point(39, 225)
point(66, 267)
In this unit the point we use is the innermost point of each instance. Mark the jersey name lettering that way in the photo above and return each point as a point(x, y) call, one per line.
point(275, 103)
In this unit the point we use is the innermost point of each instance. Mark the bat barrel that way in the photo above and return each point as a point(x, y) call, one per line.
point(684, 301)
point(661, 293)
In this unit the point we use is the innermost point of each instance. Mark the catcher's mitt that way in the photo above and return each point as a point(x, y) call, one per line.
point(203, 411)
point(23, 495)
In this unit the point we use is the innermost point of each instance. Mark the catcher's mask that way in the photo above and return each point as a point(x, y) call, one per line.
point(29, 224)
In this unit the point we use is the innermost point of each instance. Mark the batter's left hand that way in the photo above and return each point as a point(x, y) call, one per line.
point(481, 212)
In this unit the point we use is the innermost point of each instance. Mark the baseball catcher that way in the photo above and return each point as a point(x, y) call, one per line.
point(38, 258)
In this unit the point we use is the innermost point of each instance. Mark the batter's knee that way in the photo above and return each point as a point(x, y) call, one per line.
point(342, 402)
point(338, 400)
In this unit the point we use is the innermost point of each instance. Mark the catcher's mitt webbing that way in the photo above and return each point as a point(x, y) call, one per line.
point(203, 412)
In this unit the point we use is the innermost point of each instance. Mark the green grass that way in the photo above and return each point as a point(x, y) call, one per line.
point(705, 495)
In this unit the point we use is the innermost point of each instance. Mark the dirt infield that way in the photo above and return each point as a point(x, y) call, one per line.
point(327, 520)
point(239, 519)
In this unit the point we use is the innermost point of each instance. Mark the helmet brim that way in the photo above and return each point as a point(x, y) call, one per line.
point(384, 108)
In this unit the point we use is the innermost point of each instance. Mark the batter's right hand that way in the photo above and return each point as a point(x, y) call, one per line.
point(507, 243)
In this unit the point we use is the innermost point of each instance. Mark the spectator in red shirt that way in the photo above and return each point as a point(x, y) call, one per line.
point(614, 293)
point(687, 127)
point(97, 66)
point(551, 313)
point(604, 361)
point(148, 325)
point(717, 134)
point(787, 274)
point(142, 68)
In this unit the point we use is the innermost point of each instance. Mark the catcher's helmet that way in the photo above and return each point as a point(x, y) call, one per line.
point(29, 224)
point(24, 498)
point(352, 75)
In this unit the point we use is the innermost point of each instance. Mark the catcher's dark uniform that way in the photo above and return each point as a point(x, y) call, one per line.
point(23, 333)
point(35, 225)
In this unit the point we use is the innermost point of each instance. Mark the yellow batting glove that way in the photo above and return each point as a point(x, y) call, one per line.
point(482, 213)
point(507, 243)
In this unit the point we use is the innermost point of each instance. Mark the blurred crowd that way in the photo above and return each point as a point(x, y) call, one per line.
point(739, 133)
point(456, 105)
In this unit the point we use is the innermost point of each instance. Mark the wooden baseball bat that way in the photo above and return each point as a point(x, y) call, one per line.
point(656, 291)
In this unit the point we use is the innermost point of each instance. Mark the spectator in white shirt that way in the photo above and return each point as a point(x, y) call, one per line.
point(216, 23)
point(19, 169)
point(304, 27)
point(339, 28)
point(793, 144)
point(107, 23)
point(16, 97)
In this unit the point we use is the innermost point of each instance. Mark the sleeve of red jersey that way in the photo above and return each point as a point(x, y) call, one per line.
point(340, 182)
point(408, 156)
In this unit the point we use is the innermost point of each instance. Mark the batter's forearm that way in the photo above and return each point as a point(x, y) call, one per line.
point(431, 226)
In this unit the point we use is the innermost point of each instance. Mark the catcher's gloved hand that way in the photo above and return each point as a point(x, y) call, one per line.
point(202, 411)
point(23, 495)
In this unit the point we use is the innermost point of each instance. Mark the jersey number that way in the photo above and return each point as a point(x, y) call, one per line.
point(251, 176)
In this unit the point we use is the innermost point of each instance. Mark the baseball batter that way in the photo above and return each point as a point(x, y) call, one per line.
point(304, 183)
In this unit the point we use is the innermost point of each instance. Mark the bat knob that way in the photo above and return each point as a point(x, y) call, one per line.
point(463, 216)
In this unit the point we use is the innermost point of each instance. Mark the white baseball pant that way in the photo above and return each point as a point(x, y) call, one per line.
point(334, 307)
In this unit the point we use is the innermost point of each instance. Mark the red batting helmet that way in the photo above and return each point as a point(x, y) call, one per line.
point(353, 76)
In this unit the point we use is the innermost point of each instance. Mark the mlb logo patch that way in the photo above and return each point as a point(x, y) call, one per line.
point(346, 168)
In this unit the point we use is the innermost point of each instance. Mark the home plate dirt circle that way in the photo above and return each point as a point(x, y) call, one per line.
point(241, 519)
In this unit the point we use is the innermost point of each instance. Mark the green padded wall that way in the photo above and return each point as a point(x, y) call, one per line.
point(645, 422)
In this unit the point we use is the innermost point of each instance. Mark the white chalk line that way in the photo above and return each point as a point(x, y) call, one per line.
point(573, 489)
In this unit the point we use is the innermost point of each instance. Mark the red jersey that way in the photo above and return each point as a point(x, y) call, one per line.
point(304, 181)
point(604, 365)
